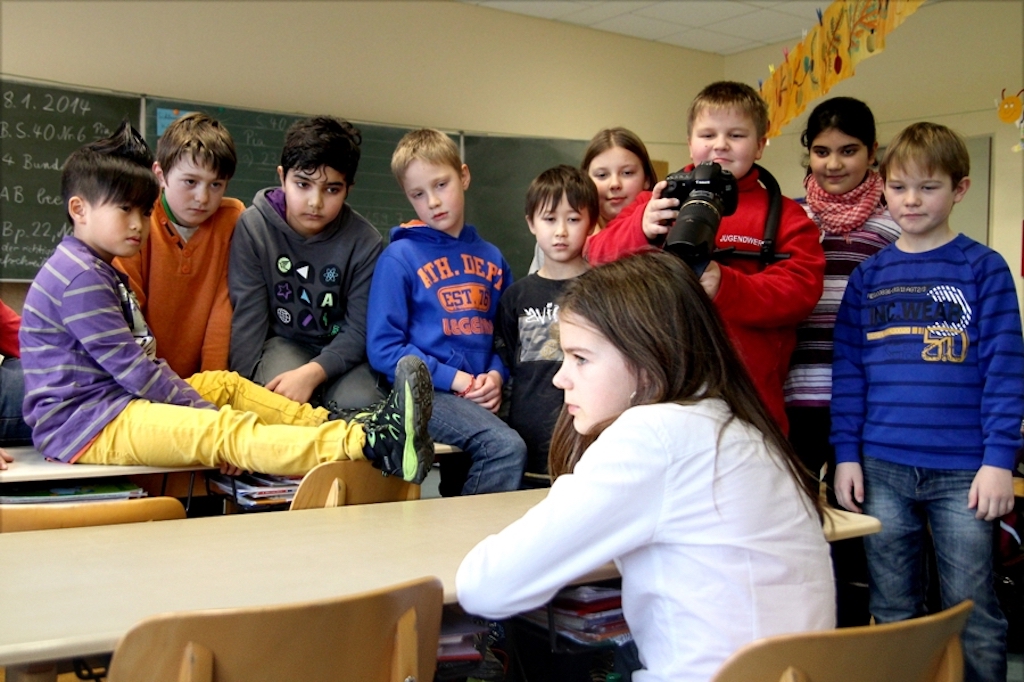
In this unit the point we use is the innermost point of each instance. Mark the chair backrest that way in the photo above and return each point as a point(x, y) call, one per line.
point(19, 517)
point(923, 649)
point(335, 484)
point(388, 635)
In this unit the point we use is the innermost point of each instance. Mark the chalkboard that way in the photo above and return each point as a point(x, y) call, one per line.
point(40, 125)
point(501, 170)
point(259, 137)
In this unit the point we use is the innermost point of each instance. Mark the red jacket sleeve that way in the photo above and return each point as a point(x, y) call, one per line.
point(785, 292)
point(10, 322)
point(622, 236)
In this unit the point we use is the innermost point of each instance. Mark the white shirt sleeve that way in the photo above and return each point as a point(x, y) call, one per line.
point(608, 507)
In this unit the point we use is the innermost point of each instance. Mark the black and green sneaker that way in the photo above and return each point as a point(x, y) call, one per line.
point(397, 441)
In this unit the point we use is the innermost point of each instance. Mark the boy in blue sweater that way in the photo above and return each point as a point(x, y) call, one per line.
point(435, 294)
point(927, 398)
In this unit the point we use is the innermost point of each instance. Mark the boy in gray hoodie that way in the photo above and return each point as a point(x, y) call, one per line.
point(300, 271)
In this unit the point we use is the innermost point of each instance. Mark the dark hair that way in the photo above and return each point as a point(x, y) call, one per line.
point(932, 147)
point(628, 140)
point(322, 141)
point(116, 169)
point(548, 188)
point(847, 115)
point(651, 307)
point(203, 140)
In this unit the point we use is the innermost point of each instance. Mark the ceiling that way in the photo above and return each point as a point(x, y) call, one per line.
point(719, 26)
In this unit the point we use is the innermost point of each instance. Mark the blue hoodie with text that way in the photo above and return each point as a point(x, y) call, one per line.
point(436, 296)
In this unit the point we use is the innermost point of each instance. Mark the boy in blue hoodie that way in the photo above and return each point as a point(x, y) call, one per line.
point(435, 294)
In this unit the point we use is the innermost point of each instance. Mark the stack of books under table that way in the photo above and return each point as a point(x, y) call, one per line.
point(257, 490)
point(586, 614)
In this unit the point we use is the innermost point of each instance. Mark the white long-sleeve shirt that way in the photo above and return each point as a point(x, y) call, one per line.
point(715, 544)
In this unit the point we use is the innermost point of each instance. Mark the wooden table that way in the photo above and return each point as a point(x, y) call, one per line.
point(842, 525)
point(75, 592)
point(29, 465)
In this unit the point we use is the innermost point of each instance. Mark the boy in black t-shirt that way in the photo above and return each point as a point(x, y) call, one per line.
point(561, 210)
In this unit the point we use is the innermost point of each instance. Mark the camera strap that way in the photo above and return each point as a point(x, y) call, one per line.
point(771, 225)
point(767, 254)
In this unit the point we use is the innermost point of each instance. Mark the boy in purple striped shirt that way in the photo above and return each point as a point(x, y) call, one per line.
point(95, 392)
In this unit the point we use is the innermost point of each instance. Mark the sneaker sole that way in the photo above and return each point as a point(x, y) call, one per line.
point(417, 405)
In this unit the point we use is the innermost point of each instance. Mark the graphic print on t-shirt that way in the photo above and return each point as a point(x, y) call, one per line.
point(538, 334)
point(939, 315)
point(311, 301)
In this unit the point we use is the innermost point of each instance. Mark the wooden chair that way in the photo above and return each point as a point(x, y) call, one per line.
point(20, 517)
point(388, 635)
point(924, 649)
point(335, 484)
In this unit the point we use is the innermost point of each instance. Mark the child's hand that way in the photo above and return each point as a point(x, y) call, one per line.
point(659, 211)
point(849, 486)
point(991, 493)
point(4, 459)
point(462, 383)
point(486, 391)
point(230, 469)
point(298, 384)
point(711, 279)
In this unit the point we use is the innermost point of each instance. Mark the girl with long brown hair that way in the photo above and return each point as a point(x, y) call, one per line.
point(665, 462)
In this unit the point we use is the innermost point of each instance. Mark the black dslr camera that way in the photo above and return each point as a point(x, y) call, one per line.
point(706, 194)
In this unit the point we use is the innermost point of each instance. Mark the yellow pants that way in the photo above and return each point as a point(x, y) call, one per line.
point(254, 429)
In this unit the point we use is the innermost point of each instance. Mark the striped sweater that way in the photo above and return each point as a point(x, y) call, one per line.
point(809, 383)
point(82, 361)
point(929, 360)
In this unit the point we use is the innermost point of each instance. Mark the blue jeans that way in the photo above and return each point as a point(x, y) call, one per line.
point(908, 500)
point(13, 429)
point(498, 453)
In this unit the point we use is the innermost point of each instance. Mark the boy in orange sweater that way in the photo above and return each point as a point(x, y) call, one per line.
point(181, 274)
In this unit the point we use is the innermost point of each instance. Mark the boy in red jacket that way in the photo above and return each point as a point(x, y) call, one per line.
point(13, 430)
point(760, 305)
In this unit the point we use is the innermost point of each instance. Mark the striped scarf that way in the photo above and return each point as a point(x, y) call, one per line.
point(842, 213)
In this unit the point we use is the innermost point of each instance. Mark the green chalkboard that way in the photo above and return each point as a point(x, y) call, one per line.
point(502, 169)
point(259, 137)
point(40, 125)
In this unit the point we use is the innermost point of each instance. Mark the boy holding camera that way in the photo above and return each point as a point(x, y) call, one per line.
point(760, 304)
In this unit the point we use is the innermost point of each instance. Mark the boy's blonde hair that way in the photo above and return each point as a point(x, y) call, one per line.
point(730, 95)
point(426, 144)
point(930, 147)
point(203, 140)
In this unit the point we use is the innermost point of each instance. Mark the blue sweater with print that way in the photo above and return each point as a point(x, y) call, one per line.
point(436, 296)
point(928, 366)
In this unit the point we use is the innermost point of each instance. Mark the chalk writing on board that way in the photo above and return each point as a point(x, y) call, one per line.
point(39, 127)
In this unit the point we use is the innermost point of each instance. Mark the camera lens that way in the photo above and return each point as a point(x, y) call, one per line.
point(692, 237)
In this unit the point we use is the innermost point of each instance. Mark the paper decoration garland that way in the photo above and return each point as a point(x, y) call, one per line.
point(1011, 110)
point(848, 32)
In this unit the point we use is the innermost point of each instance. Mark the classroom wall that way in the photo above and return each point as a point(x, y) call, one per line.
point(948, 64)
point(443, 64)
point(463, 67)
